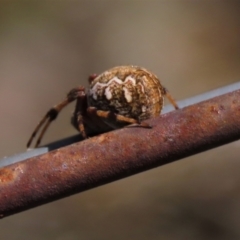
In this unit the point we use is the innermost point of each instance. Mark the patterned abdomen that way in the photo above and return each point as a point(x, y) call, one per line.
point(130, 91)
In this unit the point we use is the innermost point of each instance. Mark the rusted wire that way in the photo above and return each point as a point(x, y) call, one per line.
point(119, 154)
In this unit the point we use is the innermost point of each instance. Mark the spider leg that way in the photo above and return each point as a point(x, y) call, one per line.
point(85, 120)
point(80, 126)
point(118, 118)
point(53, 113)
point(170, 98)
point(50, 116)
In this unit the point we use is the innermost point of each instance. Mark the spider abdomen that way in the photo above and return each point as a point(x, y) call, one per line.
point(129, 91)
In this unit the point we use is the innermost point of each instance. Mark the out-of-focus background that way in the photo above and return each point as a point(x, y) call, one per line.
point(49, 47)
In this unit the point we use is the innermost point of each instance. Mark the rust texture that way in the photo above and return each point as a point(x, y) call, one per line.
point(118, 154)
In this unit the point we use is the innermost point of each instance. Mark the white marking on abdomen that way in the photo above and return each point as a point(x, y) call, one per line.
point(127, 94)
point(93, 91)
point(108, 93)
point(144, 108)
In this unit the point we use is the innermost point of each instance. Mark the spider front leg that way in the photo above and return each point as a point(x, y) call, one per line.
point(80, 126)
point(52, 114)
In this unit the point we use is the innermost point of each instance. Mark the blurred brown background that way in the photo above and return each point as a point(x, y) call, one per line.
point(48, 47)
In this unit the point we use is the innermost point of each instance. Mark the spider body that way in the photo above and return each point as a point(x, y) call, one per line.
point(130, 91)
point(118, 97)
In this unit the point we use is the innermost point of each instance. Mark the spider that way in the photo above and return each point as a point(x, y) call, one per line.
point(119, 97)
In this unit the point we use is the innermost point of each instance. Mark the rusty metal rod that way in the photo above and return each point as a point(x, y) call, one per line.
point(118, 154)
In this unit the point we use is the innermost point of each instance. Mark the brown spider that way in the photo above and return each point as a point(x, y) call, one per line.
point(118, 97)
